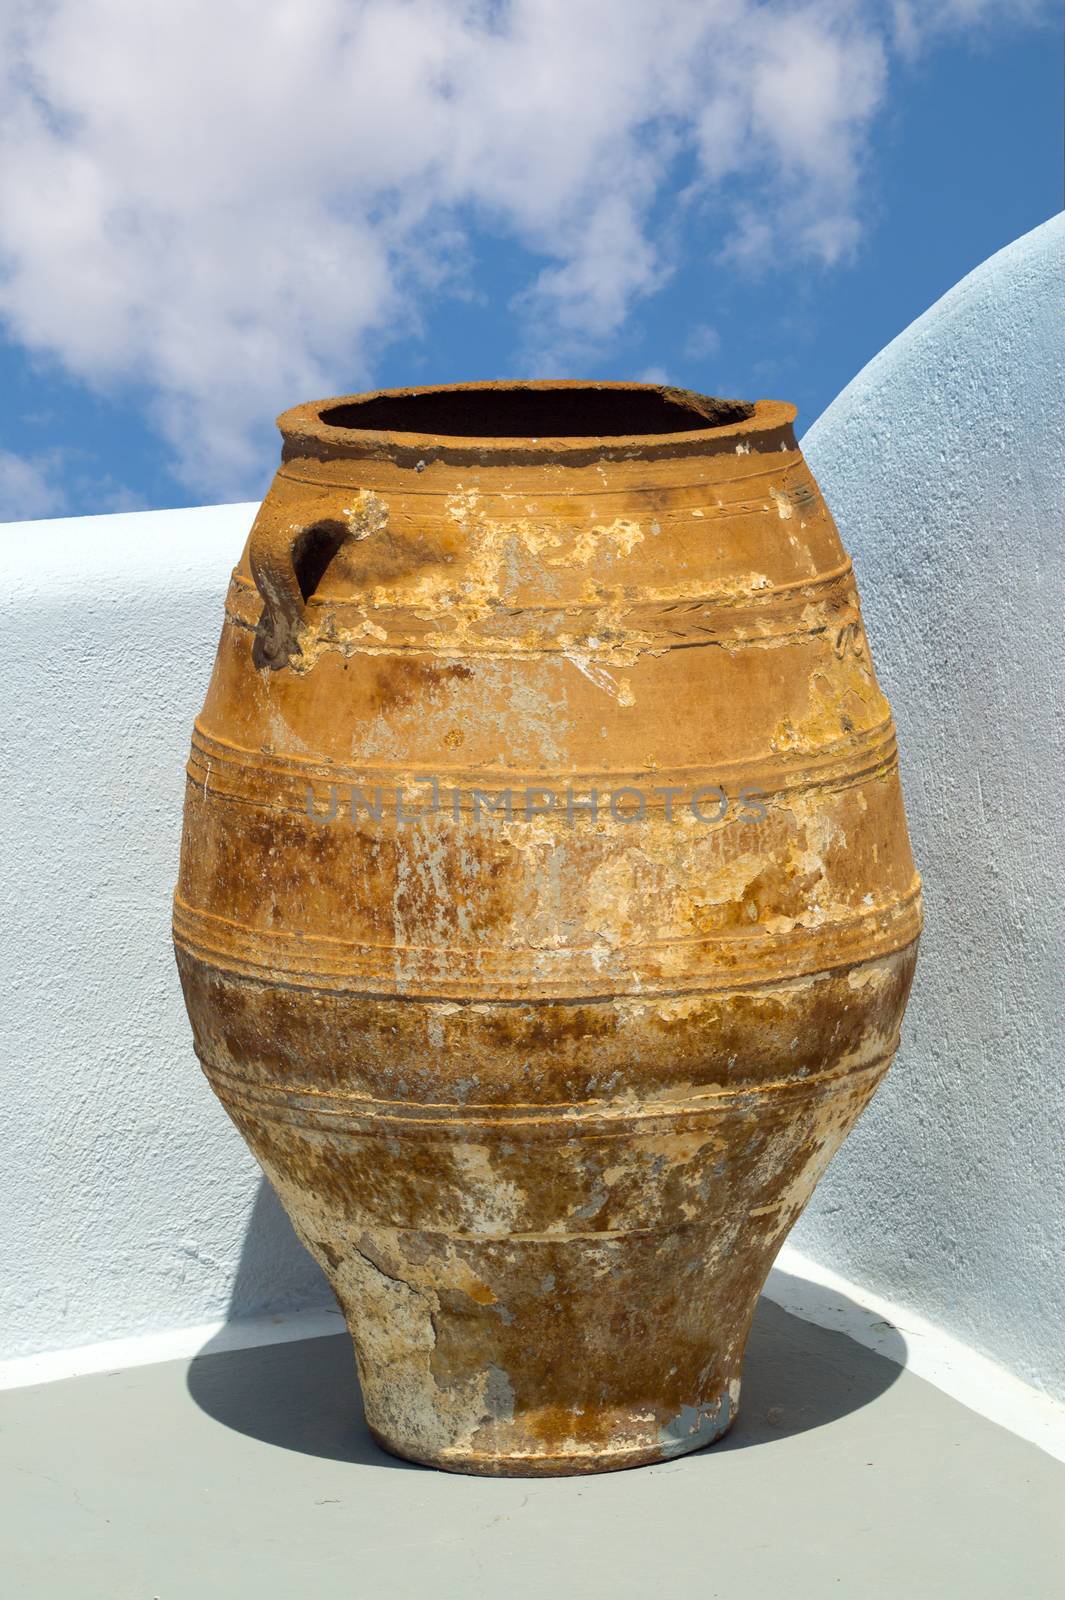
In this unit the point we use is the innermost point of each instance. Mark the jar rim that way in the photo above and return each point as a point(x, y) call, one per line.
point(669, 421)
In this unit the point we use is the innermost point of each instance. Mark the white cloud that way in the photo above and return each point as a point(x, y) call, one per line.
point(702, 341)
point(29, 487)
point(915, 21)
point(230, 204)
point(46, 482)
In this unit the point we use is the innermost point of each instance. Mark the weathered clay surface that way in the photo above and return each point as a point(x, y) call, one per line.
point(543, 1088)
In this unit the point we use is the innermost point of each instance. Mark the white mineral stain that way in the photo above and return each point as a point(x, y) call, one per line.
point(597, 675)
point(785, 509)
point(622, 533)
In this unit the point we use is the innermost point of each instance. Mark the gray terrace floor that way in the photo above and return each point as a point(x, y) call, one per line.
point(250, 1474)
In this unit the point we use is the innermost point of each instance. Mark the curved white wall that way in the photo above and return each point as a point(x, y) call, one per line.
point(127, 1192)
point(944, 463)
point(132, 1205)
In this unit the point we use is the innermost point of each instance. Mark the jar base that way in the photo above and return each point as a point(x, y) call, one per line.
point(565, 1464)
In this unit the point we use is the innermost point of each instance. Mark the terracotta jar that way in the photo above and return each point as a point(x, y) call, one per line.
point(546, 913)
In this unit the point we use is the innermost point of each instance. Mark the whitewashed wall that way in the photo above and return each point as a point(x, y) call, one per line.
point(944, 462)
point(131, 1204)
point(128, 1193)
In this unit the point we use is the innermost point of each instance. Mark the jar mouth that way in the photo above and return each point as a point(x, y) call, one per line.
point(522, 420)
point(536, 411)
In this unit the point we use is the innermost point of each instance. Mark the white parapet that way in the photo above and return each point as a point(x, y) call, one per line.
point(131, 1204)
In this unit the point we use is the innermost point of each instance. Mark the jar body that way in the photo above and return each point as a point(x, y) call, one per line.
point(546, 917)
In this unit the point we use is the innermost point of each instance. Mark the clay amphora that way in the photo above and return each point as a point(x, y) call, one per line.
point(546, 913)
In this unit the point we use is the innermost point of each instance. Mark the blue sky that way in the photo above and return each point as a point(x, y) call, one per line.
point(749, 199)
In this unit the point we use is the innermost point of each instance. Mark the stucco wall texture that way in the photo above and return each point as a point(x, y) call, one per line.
point(128, 1193)
point(944, 465)
point(133, 1206)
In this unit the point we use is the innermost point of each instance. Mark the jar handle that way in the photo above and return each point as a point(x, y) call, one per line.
point(275, 549)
